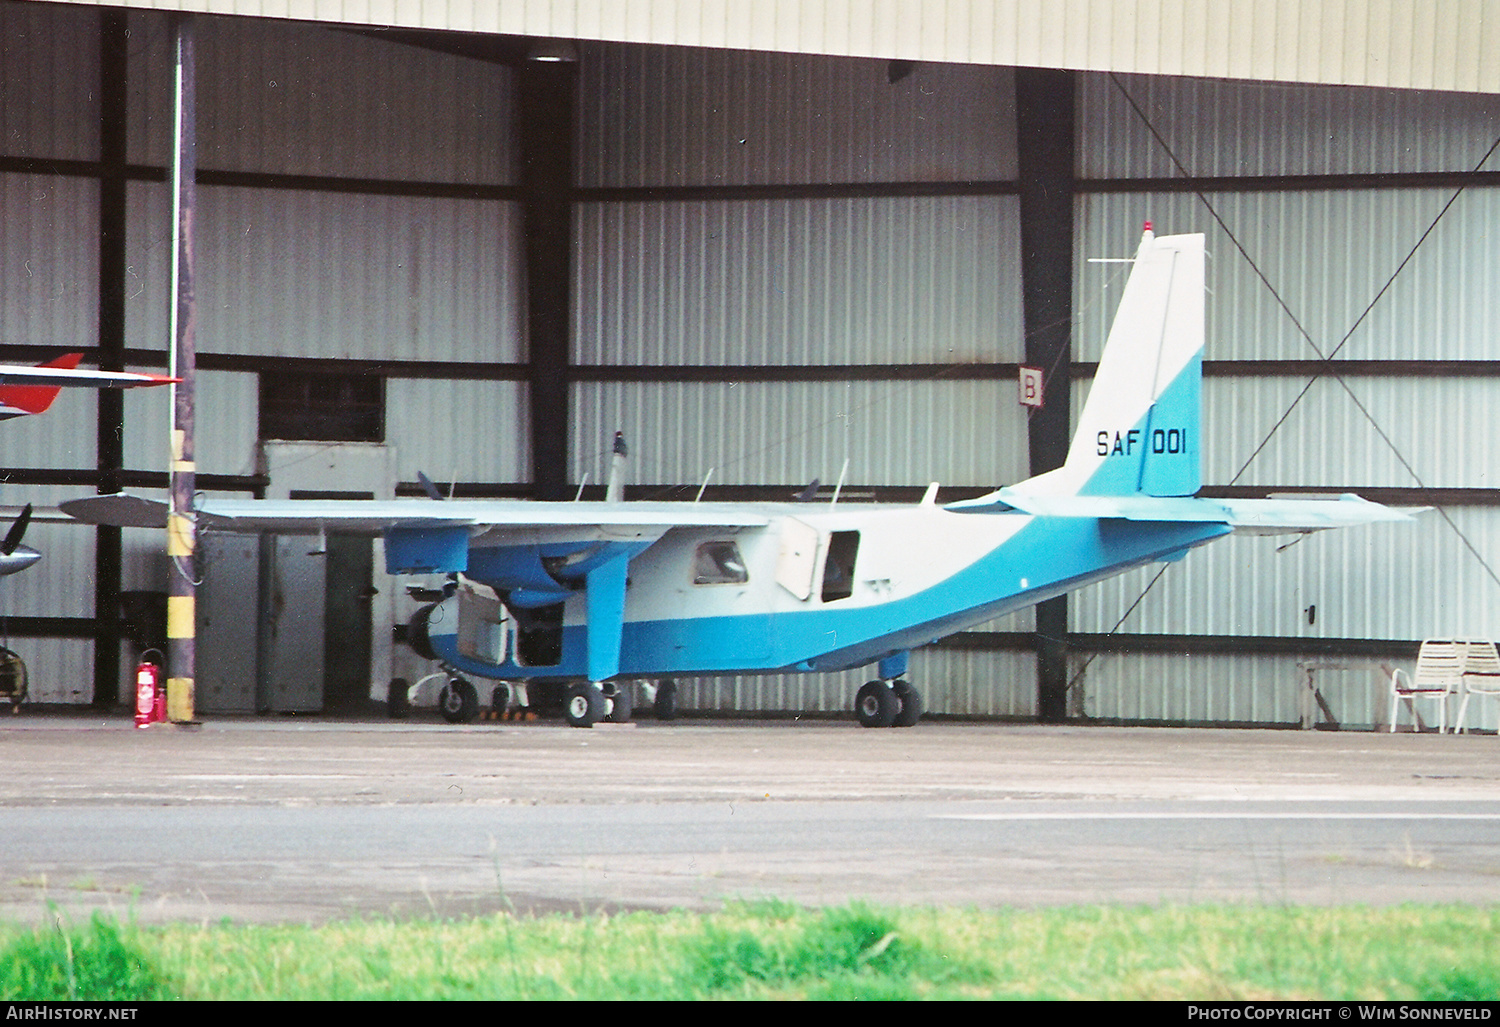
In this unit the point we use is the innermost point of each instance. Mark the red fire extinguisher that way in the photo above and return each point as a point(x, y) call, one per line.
point(150, 694)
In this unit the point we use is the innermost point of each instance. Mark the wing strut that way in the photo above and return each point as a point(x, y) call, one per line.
point(604, 596)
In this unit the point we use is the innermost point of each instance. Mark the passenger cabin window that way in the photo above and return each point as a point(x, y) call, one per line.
point(838, 569)
point(719, 563)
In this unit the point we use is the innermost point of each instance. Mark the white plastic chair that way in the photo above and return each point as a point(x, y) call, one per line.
point(1439, 674)
point(1481, 677)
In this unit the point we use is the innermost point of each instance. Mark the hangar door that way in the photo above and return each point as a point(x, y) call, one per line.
point(316, 612)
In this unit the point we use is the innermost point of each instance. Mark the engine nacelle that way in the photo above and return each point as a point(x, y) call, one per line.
point(417, 636)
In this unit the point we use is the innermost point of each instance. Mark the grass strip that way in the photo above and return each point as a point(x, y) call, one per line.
point(777, 950)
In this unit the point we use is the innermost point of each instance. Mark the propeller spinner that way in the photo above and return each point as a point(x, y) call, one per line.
point(14, 556)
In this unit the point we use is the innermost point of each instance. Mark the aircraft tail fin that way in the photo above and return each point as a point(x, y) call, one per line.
point(1140, 429)
point(20, 400)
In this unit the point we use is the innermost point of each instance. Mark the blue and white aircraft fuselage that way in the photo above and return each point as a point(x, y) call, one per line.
point(579, 598)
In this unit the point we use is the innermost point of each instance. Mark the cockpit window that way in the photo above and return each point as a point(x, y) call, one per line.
point(719, 563)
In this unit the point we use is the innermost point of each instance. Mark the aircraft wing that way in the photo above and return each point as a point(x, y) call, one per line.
point(31, 390)
point(375, 516)
point(1245, 516)
point(11, 374)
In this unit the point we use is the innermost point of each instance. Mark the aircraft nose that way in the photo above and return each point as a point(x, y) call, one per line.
point(18, 560)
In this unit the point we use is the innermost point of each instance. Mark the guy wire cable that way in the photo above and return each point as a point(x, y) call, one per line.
point(1327, 360)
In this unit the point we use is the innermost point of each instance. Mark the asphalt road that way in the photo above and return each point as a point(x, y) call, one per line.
point(305, 820)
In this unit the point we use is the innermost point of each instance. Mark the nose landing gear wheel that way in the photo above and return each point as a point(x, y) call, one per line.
point(459, 702)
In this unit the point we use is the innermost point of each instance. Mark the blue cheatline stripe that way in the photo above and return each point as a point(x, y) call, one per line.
point(1052, 555)
point(1161, 454)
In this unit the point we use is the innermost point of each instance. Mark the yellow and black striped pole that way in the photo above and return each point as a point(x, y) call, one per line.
point(181, 539)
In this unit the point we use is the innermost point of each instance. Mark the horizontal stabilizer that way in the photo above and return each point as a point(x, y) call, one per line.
point(1245, 516)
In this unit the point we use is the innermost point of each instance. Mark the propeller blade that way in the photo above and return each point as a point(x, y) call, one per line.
point(429, 488)
point(17, 532)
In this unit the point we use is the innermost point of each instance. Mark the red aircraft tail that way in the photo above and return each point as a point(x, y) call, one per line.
point(19, 400)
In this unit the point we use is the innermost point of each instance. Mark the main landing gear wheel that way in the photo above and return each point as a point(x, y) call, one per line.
point(459, 702)
point(621, 704)
point(585, 706)
point(876, 704)
point(665, 704)
point(500, 699)
point(910, 701)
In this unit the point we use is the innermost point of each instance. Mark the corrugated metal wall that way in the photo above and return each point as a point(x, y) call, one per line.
point(660, 116)
point(1295, 267)
point(378, 257)
point(875, 277)
point(892, 433)
point(1328, 253)
point(884, 280)
point(1218, 127)
point(1449, 45)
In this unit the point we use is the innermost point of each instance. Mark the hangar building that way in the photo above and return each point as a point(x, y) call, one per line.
point(761, 239)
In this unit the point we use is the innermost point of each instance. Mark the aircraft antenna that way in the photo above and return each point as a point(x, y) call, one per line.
point(707, 476)
point(581, 483)
point(840, 486)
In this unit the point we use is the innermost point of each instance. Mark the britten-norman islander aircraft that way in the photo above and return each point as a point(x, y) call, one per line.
point(576, 601)
point(31, 390)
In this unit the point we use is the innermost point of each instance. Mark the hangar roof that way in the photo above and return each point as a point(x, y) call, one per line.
point(1405, 44)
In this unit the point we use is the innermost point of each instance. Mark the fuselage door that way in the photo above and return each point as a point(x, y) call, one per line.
point(482, 623)
point(797, 565)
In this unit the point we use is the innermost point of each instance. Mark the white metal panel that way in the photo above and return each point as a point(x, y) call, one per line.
point(65, 436)
point(144, 563)
point(893, 433)
point(49, 255)
point(284, 273)
point(1179, 687)
point(275, 96)
point(49, 60)
point(458, 430)
point(1449, 45)
point(1327, 255)
point(59, 670)
point(150, 87)
point(292, 273)
point(1393, 581)
point(956, 682)
point(976, 683)
point(224, 432)
point(61, 584)
point(1365, 432)
point(914, 280)
point(673, 116)
point(148, 265)
point(1235, 128)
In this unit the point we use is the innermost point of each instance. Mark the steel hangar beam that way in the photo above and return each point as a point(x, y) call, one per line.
point(546, 86)
point(110, 435)
point(1044, 139)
